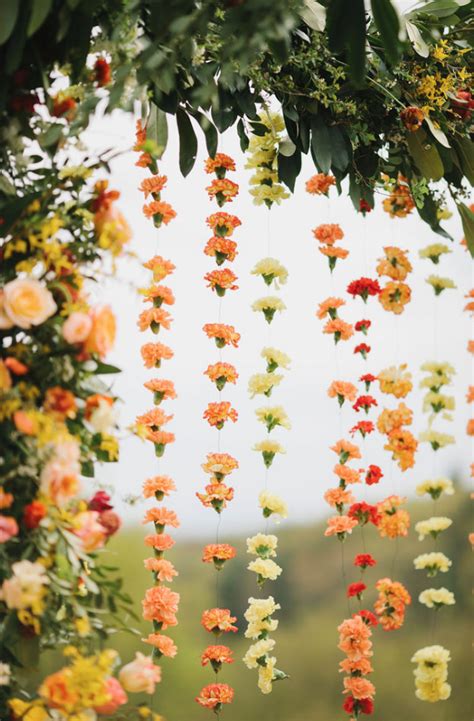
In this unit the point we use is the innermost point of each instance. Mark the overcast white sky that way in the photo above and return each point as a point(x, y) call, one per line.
point(303, 474)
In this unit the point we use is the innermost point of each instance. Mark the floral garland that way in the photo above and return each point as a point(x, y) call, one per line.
point(259, 614)
point(160, 603)
point(219, 465)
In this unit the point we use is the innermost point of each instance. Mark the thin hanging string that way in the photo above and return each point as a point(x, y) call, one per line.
point(269, 341)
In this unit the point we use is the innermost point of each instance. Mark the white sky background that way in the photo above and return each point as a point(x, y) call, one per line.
point(305, 472)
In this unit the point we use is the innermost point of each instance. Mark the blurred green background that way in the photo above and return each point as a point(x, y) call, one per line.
point(311, 594)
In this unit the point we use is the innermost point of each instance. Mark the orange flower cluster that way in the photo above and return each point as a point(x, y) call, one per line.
point(160, 603)
point(391, 603)
point(319, 184)
point(355, 642)
point(221, 373)
point(221, 280)
point(399, 202)
point(393, 520)
point(328, 234)
point(395, 295)
point(216, 414)
point(400, 442)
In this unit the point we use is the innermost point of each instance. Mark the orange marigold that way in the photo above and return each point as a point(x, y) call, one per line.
point(159, 541)
point(346, 474)
point(218, 554)
point(219, 164)
point(160, 211)
point(154, 353)
point(223, 190)
point(339, 329)
point(328, 233)
point(215, 695)
point(221, 373)
point(223, 334)
point(216, 414)
point(154, 318)
point(319, 184)
point(342, 390)
point(221, 249)
point(161, 389)
point(338, 497)
point(158, 294)
point(153, 419)
point(154, 185)
point(221, 280)
point(346, 450)
point(223, 224)
point(339, 526)
point(164, 570)
point(161, 439)
point(216, 656)
point(329, 307)
point(218, 620)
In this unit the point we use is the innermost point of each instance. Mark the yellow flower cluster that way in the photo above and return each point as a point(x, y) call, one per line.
point(263, 159)
point(436, 597)
point(268, 305)
point(432, 563)
point(439, 284)
point(275, 359)
point(434, 251)
point(435, 488)
point(272, 271)
point(395, 381)
point(273, 416)
point(432, 526)
point(263, 383)
point(260, 623)
point(431, 673)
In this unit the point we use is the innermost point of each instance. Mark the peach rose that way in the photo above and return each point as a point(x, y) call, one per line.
point(102, 335)
point(77, 327)
point(117, 698)
point(5, 322)
point(27, 302)
point(140, 675)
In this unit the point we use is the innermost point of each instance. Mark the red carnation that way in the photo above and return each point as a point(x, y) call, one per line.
point(64, 108)
point(363, 326)
point(364, 206)
point(356, 589)
point(365, 402)
point(364, 513)
point(363, 349)
point(102, 72)
point(373, 475)
point(364, 428)
point(100, 502)
point(363, 287)
point(368, 378)
point(368, 617)
point(33, 513)
point(364, 560)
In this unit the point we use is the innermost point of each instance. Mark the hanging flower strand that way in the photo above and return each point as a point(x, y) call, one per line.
point(218, 466)
point(160, 603)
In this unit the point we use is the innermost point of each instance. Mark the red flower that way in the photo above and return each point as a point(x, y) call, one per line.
point(463, 104)
point(365, 402)
point(364, 513)
point(33, 513)
point(364, 428)
point(364, 206)
point(373, 475)
point(361, 705)
point(102, 73)
point(368, 378)
point(100, 502)
point(363, 349)
point(64, 108)
point(364, 560)
point(363, 326)
point(368, 617)
point(363, 287)
point(356, 589)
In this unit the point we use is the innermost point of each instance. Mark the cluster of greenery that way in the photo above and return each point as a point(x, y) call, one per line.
point(342, 76)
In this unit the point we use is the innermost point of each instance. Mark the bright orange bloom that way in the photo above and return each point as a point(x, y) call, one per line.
point(394, 297)
point(217, 496)
point(6, 499)
point(361, 666)
point(153, 185)
point(153, 419)
point(216, 655)
point(342, 390)
point(154, 353)
point(144, 160)
point(395, 265)
point(394, 521)
point(223, 334)
point(328, 233)
point(164, 569)
point(346, 450)
point(159, 541)
point(390, 605)
point(468, 307)
point(215, 695)
point(329, 307)
point(340, 525)
point(140, 136)
point(221, 280)
point(154, 318)
point(60, 403)
point(223, 224)
point(359, 687)
point(218, 553)
point(25, 423)
point(403, 446)
point(338, 497)
point(161, 516)
point(470, 394)
point(223, 190)
point(160, 212)
point(220, 161)
point(470, 346)
point(390, 420)
point(160, 267)
point(346, 474)
point(221, 249)
point(161, 604)
point(470, 427)
point(15, 366)
point(219, 464)
point(333, 253)
point(164, 644)
point(221, 373)
point(339, 328)
point(354, 638)
point(319, 184)
point(218, 620)
point(162, 389)
point(94, 401)
point(159, 294)
point(399, 203)
point(216, 414)
point(158, 486)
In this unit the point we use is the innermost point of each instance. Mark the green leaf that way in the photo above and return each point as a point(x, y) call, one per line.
point(429, 213)
point(106, 368)
point(289, 167)
point(210, 133)
point(314, 15)
point(467, 218)
point(425, 154)
point(320, 143)
point(465, 150)
point(340, 148)
point(187, 142)
point(87, 469)
point(244, 141)
point(39, 13)
point(157, 128)
point(8, 17)
point(388, 24)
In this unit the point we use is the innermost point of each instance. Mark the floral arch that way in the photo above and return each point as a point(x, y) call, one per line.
point(377, 99)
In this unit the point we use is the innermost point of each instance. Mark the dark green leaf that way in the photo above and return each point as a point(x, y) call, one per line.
point(210, 133)
point(8, 16)
point(289, 168)
point(465, 150)
point(467, 218)
point(244, 141)
point(425, 154)
point(106, 368)
point(39, 13)
point(388, 24)
point(320, 143)
point(187, 142)
point(340, 148)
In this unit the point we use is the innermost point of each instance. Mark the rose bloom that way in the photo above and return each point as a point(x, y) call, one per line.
point(27, 302)
point(102, 335)
point(140, 675)
point(8, 528)
point(90, 531)
point(118, 698)
point(60, 403)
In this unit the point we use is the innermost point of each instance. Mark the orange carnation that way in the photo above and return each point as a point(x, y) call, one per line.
point(219, 164)
point(394, 297)
point(215, 695)
point(329, 307)
point(339, 329)
point(223, 334)
point(159, 541)
point(218, 554)
point(216, 656)
point(219, 464)
point(160, 212)
point(161, 605)
point(163, 644)
point(218, 620)
point(161, 516)
point(154, 318)
point(217, 496)
point(159, 294)
point(223, 224)
point(158, 487)
point(395, 265)
point(161, 389)
point(153, 185)
point(216, 414)
point(154, 353)
point(153, 419)
point(221, 280)
point(159, 267)
point(328, 233)
point(223, 190)
point(319, 184)
point(221, 249)
point(221, 373)
point(164, 570)
point(346, 451)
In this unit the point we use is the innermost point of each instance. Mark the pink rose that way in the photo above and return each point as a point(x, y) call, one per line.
point(8, 528)
point(27, 302)
point(117, 698)
point(140, 675)
point(77, 327)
